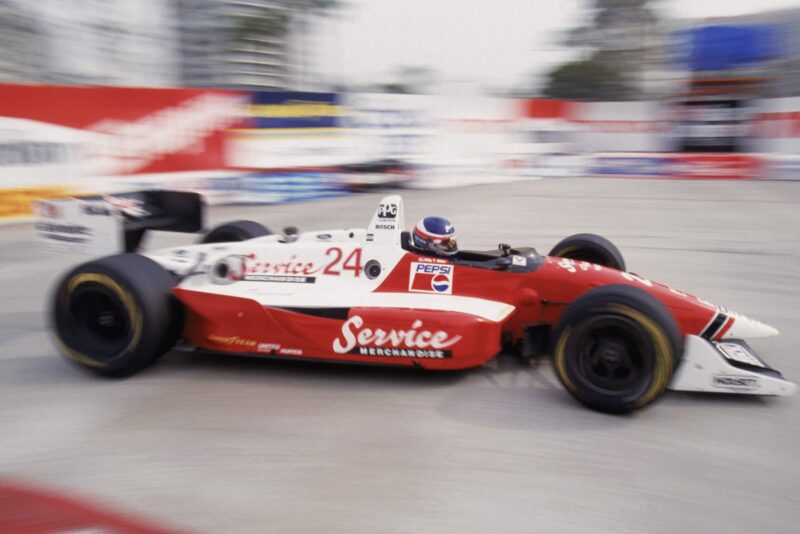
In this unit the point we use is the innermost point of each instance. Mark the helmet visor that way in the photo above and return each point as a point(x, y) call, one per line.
point(447, 245)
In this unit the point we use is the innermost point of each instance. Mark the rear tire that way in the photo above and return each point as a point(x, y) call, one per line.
point(116, 315)
point(589, 247)
point(235, 231)
point(616, 348)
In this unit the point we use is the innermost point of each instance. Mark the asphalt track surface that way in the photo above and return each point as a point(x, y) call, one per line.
point(219, 444)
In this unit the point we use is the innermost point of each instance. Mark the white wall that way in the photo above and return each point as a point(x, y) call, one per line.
point(776, 125)
point(622, 127)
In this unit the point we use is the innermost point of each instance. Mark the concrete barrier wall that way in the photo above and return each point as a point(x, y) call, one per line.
point(285, 146)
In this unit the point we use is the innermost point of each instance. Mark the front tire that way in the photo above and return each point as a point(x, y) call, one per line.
point(116, 315)
point(616, 348)
point(589, 247)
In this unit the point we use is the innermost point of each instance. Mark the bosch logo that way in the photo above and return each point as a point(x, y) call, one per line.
point(387, 211)
point(431, 278)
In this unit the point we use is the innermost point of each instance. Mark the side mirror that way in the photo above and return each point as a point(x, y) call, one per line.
point(505, 248)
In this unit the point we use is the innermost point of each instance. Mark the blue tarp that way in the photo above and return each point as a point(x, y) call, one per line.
point(727, 46)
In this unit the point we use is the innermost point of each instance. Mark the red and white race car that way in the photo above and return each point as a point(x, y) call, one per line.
point(618, 340)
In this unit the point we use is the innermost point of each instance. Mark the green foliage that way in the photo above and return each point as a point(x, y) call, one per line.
point(616, 36)
point(590, 79)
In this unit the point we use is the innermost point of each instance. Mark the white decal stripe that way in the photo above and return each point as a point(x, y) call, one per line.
point(485, 309)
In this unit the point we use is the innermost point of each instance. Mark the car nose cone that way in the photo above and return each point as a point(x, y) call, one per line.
point(744, 327)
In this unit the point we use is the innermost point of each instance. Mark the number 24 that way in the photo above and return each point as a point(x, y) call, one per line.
point(351, 263)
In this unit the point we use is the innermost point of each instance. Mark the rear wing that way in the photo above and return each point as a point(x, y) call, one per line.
point(108, 224)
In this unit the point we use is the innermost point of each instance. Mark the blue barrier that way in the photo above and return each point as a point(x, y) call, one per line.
point(631, 165)
point(289, 186)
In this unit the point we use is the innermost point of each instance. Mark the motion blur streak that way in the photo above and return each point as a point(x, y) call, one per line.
point(28, 510)
point(508, 118)
point(215, 444)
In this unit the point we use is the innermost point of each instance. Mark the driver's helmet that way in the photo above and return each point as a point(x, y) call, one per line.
point(435, 235)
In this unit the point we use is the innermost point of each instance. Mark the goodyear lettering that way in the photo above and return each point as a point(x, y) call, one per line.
point(233, 341)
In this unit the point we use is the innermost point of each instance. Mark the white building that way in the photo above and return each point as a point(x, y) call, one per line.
point(104, 42)
point(218, 49)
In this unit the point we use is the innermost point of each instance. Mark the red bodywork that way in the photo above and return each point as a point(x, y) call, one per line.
point(432, 339)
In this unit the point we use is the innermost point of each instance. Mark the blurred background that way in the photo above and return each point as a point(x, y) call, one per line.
point(531, 104)
point(282, 100)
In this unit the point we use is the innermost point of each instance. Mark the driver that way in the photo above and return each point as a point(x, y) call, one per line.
point(434, 235)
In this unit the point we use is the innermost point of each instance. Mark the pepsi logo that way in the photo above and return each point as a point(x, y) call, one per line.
point(440, 283)
point(431, 278)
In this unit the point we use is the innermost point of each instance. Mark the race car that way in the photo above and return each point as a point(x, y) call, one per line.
point(366, 295)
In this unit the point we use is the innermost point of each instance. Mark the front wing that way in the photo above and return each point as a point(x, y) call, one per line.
point(729, 366)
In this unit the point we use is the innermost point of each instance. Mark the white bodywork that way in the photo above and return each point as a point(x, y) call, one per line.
point(707, 367)
point(744, 327)
point(94, 228)
point(324, 252)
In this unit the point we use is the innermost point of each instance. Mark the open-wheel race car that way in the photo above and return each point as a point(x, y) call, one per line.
point(366, 295)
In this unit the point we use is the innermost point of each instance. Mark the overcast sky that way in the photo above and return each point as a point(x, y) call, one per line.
point(494, 43)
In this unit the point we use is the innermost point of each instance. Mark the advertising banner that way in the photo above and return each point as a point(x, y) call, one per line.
point(477, 140)
point(783, 167)
point(632, 165)
point(240, 187)
point(273, 188)
point(291, 129)
point(622, 127)
point(67, 140)
point(776, 125)
point(698, 166)
point(385, 126)
point(116, 130)
point(549, 138)
point(476, 130)
point(718, 166)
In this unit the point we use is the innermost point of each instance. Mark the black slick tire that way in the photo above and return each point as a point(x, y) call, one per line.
point(616, 348)
point(116, 315)
point(589, 247)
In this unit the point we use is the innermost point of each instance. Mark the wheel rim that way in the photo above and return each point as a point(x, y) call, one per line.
point(612, 356)
point(101, 322)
